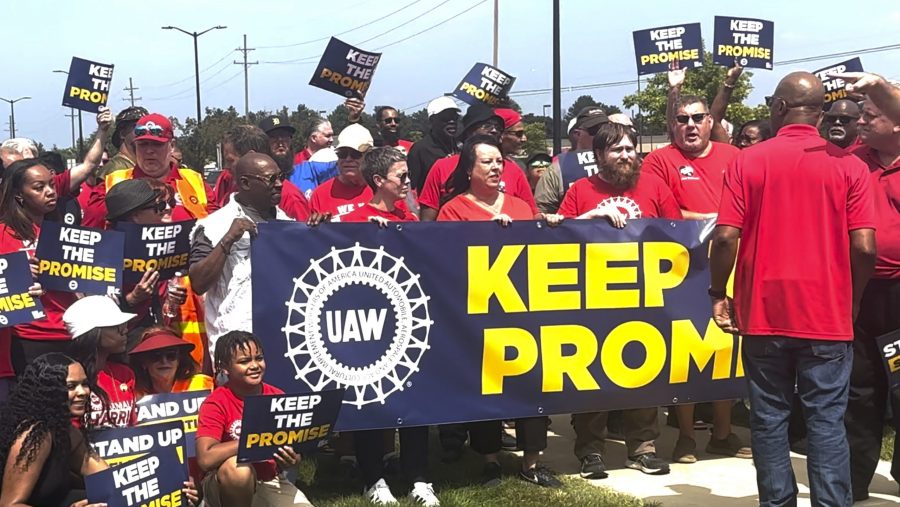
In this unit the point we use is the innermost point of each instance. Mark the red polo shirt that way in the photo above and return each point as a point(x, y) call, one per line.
point(293, 202)
point(886, 182)
point(695, 181)
point(302, 156)
point(364, 213)
point(795, 198)
point(512, 182)
point(649, 198)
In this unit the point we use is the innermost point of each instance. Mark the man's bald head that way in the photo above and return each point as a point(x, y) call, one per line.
point(253, 163)
point(621, 119)
point(843, 107)
point(798, 99)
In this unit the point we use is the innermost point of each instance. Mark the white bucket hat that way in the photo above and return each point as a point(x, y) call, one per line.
point(92, 312)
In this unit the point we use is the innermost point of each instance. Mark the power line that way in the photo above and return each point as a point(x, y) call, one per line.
point(167, 85)
point(368, 23)
point(187, 91)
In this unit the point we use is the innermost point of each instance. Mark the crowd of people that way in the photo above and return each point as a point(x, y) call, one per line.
point(799, 199)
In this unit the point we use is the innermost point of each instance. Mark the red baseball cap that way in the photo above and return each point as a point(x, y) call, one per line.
point(510, 116)
point(160, 339)
point(153, 127)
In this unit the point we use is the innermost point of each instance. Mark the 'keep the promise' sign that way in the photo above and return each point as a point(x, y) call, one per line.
point(656, 48)
point(154, 480)
point(345, 70)
point(88, 85)
point(836, 88)
point(484, 84)
point(297, 420)
point(16, 305)
point(164, 248)
point(80, 259)
point(745, 41)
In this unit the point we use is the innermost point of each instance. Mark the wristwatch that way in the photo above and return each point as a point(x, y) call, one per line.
point(716, 294)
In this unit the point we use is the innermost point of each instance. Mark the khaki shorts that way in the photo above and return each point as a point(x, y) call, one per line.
point(278, 492)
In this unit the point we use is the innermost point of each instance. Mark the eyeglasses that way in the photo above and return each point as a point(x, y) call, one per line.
point(403, 177)
point(843, 119)
point(349, 153)
point(268, 180)
point(142, 130)
point(684, 118)
point(489, 127)
point(391, 119)
point(159, 355)
point(518, 133)
point(539, 165)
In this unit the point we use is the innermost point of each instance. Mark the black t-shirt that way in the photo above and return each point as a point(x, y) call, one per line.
point(423, 155)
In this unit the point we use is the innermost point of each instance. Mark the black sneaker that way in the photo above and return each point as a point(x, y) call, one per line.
point(490, 476)
point(648, 463)
point(507, 441)
point(592, 467)
point(541, 476)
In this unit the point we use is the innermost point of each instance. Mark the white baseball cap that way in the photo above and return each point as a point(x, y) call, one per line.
point(355, 136)
point(92, 312)
point(571, 125)
point(440, 105)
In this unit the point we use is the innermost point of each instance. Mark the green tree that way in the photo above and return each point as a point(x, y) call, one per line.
point(701, 81)
point(537, 140)
point(587, 101)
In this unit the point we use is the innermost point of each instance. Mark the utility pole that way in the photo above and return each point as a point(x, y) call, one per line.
point(496, 31)
point(130, 91)
point(557, 87)
point(246, 65)
point(72, 116)
point(12, 113)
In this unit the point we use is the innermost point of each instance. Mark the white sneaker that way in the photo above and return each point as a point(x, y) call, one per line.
point(423, 494)
point(380, 494)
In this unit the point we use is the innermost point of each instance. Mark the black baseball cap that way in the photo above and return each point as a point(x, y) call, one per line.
point(590, 116)
point(273, 123)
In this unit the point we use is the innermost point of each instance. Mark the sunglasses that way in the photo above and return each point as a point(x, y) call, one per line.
point(349, 153)
point(684, 118)
point(169, 355)
point(391, 119)
point(157, 206)
point(142, 130)
point(518, 133)
point(403, 177)
point(270, 179)
point(842, 119)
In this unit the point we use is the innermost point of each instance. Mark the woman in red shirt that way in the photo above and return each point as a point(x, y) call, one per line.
point(473, 194)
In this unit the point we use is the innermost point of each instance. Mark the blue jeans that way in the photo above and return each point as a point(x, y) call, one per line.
point(820, 370)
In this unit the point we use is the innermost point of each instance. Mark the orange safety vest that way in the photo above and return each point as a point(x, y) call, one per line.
point(192, 322)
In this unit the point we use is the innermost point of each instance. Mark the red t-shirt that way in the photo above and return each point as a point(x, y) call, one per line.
point(886, 183)
point(338, 198)
point(55, 302)
point(795, 198)
point(696, 182)
point(463, 209)
point(367, 211)
point(95, 213)
point(403, 145)
point(302, 156)
point(650, 198)
point(220, 419)
point(293, 202)
point(512, 182)
point(117, 381)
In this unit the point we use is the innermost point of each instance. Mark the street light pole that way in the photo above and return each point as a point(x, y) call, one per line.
point(196, 35)
point(80, 125)
point(12, 113)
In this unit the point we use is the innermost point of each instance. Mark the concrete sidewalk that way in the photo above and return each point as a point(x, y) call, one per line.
point(713, 480)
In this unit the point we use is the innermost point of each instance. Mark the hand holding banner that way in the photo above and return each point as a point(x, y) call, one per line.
point(163, 247)
point(656, 48)
point(746, 41)
point(345, 70)
point(16, 305)
point(484, 84)
point(87, 87)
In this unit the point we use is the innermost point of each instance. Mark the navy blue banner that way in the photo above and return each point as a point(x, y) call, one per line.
point(124, 445)
point(80, 259)
point(301, 421)
point(167, 407)
point(430, 323)
point(16, 305)
point(484, 84)
point(746, 41)
point(835, 88)
point(345, 70)
point(576, 164)
point(153, 480)
point(163, 247)
point(87, 87)
point(656, 48)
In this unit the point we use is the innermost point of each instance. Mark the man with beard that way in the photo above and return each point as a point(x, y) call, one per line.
point(618, 192)
point(348, 190)
point(280, 134)
point(839, 123)
point(388, 119)
point(439, 142)
point(693, 167)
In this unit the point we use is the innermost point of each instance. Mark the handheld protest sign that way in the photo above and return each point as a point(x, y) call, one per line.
point(153, 480)
point(889, 346)
point(656, 48)
point(87, 87)
point(484, 84)
point(16, 305)
point(123, 445)
point(576, 164)
point(163, 247)
point(836, 88)
point(298, 420)
point(80, 259)
point(168, 407)
point(345, 70)
point(749, 42)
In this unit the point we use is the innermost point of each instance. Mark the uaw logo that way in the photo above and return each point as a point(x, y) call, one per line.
point(687, 173)
point(358, 319)
point(625, 205)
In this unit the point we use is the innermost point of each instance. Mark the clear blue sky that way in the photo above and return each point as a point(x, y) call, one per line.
point(596, 47)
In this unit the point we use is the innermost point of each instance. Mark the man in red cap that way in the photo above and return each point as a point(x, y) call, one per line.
point(153, 143)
